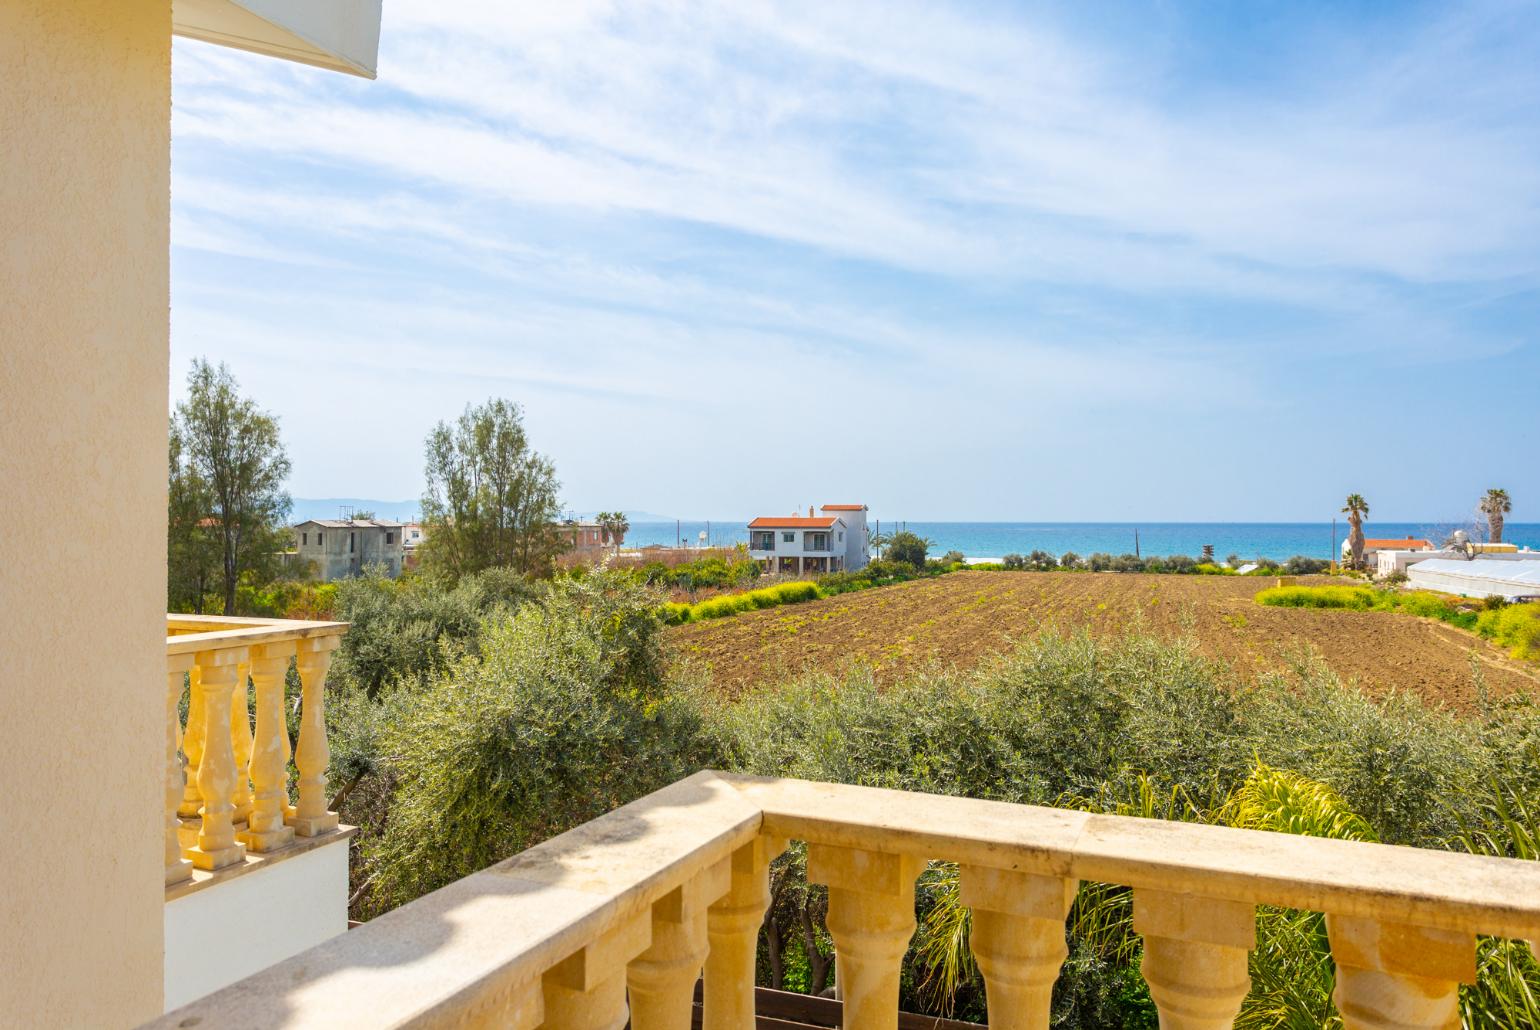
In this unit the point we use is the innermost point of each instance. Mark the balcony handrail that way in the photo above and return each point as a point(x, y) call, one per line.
point(558, 933)
point(189, 634)
point(227, 778)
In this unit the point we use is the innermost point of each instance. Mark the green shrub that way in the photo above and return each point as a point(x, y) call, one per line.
point(1514, 626)
point(906, 548)
point(1014, 562)
point(1354, 598)
point(562, 716)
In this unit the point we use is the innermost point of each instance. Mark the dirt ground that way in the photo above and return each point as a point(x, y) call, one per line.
point(959, 618)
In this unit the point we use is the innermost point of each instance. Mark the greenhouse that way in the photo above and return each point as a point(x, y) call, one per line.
point(1480, 577)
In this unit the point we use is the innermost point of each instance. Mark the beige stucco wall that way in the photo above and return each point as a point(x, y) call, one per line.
point(84, 210)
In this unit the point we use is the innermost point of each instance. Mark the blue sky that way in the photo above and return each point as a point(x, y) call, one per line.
point(1095, 262)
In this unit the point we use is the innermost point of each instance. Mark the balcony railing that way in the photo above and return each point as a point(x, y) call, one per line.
point(232, 797)
point(762, 543)
point(619, 916)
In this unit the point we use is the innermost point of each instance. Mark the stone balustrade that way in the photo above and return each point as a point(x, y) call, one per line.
point(615, 919)
point(227, 769)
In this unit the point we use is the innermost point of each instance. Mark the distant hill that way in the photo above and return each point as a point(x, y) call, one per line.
point(306, 508)
point(403, 511)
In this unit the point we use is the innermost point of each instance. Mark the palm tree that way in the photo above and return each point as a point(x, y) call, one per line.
point(1355, 509)
point(1494, 506)
point(615, 525)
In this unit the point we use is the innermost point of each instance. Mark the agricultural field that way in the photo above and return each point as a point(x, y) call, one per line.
point(961, 618)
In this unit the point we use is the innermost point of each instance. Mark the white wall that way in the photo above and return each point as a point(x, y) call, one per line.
point(226, 932)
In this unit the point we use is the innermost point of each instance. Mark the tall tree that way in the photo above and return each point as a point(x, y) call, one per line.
point(615, 526)
point(192, 549)
point(490, 500)
point(1355, 509)
point(232, 449)
point(1495, 505)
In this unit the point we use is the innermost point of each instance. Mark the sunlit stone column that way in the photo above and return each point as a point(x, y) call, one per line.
point(1195, 951)
point(177, 867)
point(871, 918)
point(217, 846)
point(1018, 940)
point(587, 990)
point(310, 816)
point(240, 743)
point(732, 928)
point(661, 980)
point(1391, 976)
point(265, 829)
point(192, 745)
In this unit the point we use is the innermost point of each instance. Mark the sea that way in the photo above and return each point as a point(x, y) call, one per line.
point(989, 541)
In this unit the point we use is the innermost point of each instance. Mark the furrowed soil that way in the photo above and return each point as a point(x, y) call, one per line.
point(961, 618)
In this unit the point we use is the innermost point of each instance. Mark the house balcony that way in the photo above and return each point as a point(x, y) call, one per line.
point(617, 918)
point(253, 873)
point(762, 543)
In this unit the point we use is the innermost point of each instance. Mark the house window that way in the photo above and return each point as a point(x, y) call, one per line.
point(788, 537)
point(842, 536)
point(390, 538)
point(351, 537)
point(304, 539)
point(318, 537)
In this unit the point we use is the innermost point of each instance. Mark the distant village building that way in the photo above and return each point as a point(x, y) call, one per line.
point(340, 548)
point(834, 540)
point(412, 536)
point(586, 537)
point(1374, 545)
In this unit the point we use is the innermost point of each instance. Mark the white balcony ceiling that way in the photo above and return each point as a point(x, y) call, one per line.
point(342, 35)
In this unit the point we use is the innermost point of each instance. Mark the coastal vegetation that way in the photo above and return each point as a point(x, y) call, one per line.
point(545, 705)
point(1356, 508)
point(1494, 507)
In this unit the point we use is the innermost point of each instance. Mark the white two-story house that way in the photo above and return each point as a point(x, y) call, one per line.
point(832, 541)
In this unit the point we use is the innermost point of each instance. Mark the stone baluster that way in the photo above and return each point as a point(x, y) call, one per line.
point(310, 817)
point(1195, 954)
point(732, 928)
point(1018, 940)
point(661, 980)
point(240, 743)
point(177, 867)
point(871, 918)
point(192, 745)
point(217, 846)
point(1391, 976)
point(265, 828)
point(587, 990)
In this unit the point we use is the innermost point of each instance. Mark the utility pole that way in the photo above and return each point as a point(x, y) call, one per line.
point(1136, 542)
point(1332, 555)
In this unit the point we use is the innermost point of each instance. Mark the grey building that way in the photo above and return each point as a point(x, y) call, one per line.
point(339, 548)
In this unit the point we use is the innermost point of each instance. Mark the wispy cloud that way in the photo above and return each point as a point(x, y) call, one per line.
point(643, 206)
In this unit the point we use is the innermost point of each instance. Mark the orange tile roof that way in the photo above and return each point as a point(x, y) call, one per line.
point(844, 507)
point(1397, 544)
point(792, 522)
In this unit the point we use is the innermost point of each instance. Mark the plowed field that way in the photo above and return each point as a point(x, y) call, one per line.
point(958, 618)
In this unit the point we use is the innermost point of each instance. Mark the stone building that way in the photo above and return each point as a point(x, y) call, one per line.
point(341, 548)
